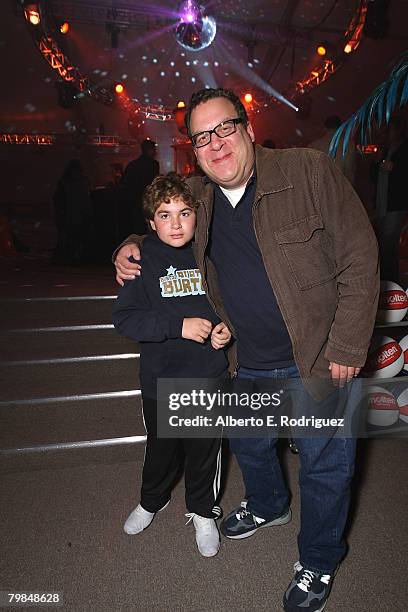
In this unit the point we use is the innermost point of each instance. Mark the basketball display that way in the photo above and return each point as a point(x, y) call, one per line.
point(385, 358)
point(404, 345)
point(403, 406)
point(382, 407)
point(392, 304)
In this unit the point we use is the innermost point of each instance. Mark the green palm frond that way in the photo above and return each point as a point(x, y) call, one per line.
point(377, 109)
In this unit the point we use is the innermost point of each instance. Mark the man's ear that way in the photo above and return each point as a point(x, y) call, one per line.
point(152, 224)
point(250, 131)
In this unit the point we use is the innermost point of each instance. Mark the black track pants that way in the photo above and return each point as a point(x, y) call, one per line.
point(164, 461)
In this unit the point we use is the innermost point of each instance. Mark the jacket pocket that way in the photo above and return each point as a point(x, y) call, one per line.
point(307, 249)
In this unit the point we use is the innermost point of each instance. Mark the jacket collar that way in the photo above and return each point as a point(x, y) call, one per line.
point(270, 177)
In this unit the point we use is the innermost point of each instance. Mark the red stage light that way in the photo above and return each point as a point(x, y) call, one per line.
point(119, 88)
point(32, 14)
point(248, 98)
point(367, 149)
point(64, 27)
point(321, 50)
point(179, 114)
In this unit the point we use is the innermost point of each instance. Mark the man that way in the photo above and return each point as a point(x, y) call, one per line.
point(297, 267)
point(138, 174)
point(391, 199)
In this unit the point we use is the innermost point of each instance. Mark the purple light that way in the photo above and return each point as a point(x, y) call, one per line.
point(189, 11)
point(196, 30)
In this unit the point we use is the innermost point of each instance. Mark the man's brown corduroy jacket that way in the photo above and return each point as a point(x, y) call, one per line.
point(319, 251)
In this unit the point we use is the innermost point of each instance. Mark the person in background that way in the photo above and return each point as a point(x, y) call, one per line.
point(107, 205)
point(391, 175)
point(73, 214)
point(117, 174)
point(138, 174)
point(346, 162)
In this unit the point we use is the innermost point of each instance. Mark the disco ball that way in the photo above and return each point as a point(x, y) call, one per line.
point(197, 34)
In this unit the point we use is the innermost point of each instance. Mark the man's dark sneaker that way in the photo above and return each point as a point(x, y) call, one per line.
point(241, 523)
point(308, 590)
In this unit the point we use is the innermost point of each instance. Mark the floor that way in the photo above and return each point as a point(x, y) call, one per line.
point(63, 505)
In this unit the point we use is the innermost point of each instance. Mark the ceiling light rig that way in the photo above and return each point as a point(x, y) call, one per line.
point(355, 30)
point(347, 45)
point(80, 85)
point(27, 139)
point(32, 13)
point(322, 71)
point(195, 30)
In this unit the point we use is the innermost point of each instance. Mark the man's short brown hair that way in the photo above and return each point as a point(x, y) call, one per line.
point(162, 190)
point(199, 97)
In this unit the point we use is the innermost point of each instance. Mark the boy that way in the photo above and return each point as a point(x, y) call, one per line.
point(166, 310)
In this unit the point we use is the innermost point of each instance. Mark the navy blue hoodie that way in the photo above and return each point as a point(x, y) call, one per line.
point(150, 309)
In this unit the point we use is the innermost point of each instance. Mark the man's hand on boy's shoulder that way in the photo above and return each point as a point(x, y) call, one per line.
point(220, 336)
point(196, 329)
point(125, 269)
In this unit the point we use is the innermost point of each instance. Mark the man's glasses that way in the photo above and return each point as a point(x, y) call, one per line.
point(224, 129)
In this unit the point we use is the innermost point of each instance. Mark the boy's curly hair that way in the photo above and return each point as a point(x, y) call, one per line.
point(162, 189)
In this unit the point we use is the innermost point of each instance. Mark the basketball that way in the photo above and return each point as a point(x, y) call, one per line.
point(382, 407)
point(404, 345)
point(403, 406)
point(392, 304)
point(385, 358)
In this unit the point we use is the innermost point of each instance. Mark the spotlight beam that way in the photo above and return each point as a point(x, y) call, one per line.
point(251, 76)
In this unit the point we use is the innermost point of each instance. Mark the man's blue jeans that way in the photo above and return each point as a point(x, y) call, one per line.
point(326, 470)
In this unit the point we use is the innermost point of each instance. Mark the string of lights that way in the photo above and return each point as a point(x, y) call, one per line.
point(27, 139)
point(98, 140)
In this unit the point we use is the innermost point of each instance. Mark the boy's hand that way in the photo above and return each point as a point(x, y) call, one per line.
point(220, 336)
point(196, 329)
point(125, 270)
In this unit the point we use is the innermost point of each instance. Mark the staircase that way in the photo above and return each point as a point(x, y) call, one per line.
point(67, 379)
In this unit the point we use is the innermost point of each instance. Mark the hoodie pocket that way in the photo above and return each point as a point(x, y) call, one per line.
point(308, 251)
